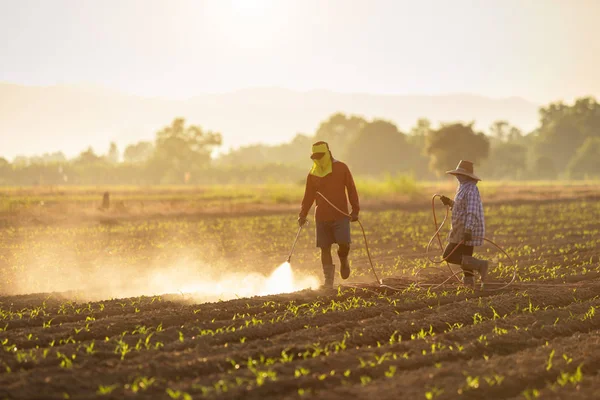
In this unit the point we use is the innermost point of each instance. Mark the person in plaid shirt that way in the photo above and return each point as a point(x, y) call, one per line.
point(468, 224)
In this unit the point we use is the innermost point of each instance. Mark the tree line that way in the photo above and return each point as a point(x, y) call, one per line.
point(565, 145)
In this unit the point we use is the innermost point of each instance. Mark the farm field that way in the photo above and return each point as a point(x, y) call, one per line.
point(76, 204)
point(83, 314)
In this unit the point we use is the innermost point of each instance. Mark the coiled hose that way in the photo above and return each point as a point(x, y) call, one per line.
point(453, 275)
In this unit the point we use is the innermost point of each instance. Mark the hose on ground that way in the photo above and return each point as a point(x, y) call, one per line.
point(453, 275)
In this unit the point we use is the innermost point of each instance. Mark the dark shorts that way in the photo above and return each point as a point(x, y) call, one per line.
point(456, 257)
point(330, 232)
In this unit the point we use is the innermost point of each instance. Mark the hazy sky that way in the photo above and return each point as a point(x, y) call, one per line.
point(542, 50)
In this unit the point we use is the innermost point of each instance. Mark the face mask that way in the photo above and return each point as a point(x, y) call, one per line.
point(323, 162)
point(463, 179)
point(323, 166)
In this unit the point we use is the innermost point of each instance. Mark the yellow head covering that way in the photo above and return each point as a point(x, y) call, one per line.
point(323, 166)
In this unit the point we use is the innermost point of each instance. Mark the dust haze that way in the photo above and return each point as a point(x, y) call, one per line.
point(51, 264)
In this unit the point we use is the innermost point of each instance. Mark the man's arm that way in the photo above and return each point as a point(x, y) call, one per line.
point(310, 193)
point(352, 193)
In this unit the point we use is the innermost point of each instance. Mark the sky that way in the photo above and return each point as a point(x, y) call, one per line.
point(541, 50)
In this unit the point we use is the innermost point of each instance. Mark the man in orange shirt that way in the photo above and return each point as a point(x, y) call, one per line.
point(330, 179)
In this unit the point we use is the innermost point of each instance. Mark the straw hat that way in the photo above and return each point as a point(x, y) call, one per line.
point(464, 168)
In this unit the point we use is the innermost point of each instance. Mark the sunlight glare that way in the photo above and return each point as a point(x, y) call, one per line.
point(248, 24)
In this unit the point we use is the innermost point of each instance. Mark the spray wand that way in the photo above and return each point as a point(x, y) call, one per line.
point(294, 244)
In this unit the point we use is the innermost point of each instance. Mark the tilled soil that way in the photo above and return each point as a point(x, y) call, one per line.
point(346, 343)
point(538, 338)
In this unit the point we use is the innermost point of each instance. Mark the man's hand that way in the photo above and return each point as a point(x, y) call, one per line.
point(301, 221)
point(447, 201)
point(468, 236)
point(353, 217)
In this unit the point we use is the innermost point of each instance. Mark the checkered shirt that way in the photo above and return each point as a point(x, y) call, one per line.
point(467, 213)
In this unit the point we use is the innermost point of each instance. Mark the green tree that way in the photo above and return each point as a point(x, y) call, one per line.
point(296, 152)
point(515, 135)
point(508, 152)
point(48, 158)
point(417, 138)
point(419, 132)
point(20, 161)
point(506, 161)
point(454, 142)
point(544, 168)
point(180, 150)
point(138, 153)
point(253, 154)
point(339, 131)
point(380, 147)
point(499, 130)
point(88, 157)
point(113, 155)
point(586, 161)
point(564, 128)
point(5, 168)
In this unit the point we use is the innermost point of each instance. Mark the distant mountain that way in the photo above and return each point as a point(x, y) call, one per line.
point(36, 120)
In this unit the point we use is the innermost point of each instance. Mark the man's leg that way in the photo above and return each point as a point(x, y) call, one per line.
point(343, 252)
point(341, 230)
point(474, 264)
point(469, 277)
point(325, 239)
point(328, 267)
point(453, 253)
